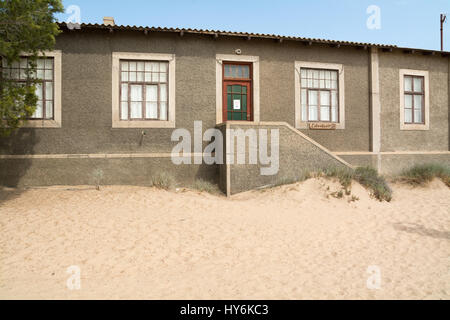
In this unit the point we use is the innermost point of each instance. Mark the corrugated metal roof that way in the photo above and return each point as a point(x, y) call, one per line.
point(219, 33)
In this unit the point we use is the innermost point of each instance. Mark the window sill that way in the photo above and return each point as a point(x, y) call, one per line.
point(415, 127)
point(143, 124)
point(41, 124)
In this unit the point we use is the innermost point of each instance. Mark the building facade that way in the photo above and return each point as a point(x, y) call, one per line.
point(112, 96)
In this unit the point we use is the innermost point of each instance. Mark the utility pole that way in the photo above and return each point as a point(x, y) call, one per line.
point(443, 18)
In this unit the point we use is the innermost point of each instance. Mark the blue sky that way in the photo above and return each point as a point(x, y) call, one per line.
point(406, 23)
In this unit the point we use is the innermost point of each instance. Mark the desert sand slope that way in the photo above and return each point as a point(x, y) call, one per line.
point(291, 242)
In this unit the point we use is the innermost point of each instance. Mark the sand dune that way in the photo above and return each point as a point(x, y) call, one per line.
point(291, 242)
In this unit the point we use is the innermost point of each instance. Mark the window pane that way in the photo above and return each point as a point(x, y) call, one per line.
point(39, 91)
point(155, 77)
point(163, 66)
point(148, 66)
point(49, 109)
point(303, 96)
point(155, 67)
point(162, 77)
point(49, 90)
point(132, 65)
point(124, 76)
point(48, 74)
point(334, 100)
point(325, 113)
point(316, 83)
point(49, 63)
point(163, 111)
point(246, 72)
point(136, 110)
point(408, 83)
point(324, 98)
point(39, 110)
point(152, 93)
point(124, 111)
point(408, 115)
point(124, 65)
point(312, 98)
point(303, 73)
point(40, 63)
point(304, 82)
point(227, 71)
point(334, 75)
point(124, 93)
point(163, 92)
point(418, 84)
point(148, 77)
point(151, 111)
point(313, 113)
point(132, 76)
point(408, 101)
point(418, 116)
point(418, 102)
point(140, 77)
point(135, 93)
point(334, 114)
point(304, 112)
point(140, 66)
point(40, 74)
point(23, 63)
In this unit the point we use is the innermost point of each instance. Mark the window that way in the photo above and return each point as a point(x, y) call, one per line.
point(414, 100)
point(319, 94)
point(143, 90)
point(48, 90)
point(19, 72)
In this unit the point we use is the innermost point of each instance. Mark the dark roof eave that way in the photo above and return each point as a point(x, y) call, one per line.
point(64, 26)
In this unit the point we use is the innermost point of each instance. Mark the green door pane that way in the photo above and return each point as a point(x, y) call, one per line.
point(229, 102)
point(237, 88)
point(244, 116)
point(244, 102)
point(244, 89)
point(229, 88)
point(237, 116)
point(229, 116)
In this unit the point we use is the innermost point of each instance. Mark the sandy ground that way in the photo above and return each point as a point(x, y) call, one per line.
point(291, 242)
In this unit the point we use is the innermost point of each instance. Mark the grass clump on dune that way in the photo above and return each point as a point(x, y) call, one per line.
point(425, 173)
point(369, 178)
point(163, 181)
point(206, 186)
point(366, 176)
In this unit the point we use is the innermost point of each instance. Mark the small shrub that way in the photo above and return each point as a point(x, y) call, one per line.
point(422, 174)
point(353, 199)
point(370, 179)
point(344, 176)
point(206, 186)
point(338, 194)
point(163, 181)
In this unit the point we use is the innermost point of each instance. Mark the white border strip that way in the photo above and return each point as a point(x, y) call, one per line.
point(95, 156)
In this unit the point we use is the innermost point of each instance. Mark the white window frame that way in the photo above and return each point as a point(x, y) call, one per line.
point(56, 122)
point(116, 122)
point(299, 123)
point(220, 58)
point(415, 126)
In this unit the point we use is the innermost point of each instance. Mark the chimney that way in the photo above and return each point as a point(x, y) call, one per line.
point(108, 21)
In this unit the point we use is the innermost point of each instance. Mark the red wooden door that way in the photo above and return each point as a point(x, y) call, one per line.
point(237, 92)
